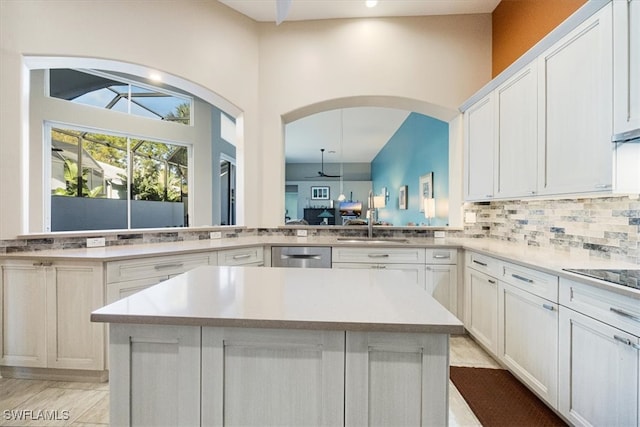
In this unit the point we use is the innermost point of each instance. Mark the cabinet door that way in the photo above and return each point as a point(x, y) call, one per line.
point(481, 308)
point(155, 376)
point(414, 273)
point(517, 137)
point(23, 314)
point(119, 290)
point(626, 65)
point(479, 150)
point(626, 93)
point(528, 339)
point(396, 379)
point(442, 284)
point(598, 372)
point(73, 292)
point(272, 377)
point(575, 116)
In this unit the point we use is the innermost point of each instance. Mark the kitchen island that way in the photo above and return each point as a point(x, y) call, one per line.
point(255, 346)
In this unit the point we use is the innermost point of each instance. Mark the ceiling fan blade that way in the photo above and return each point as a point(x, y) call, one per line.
point(282, 10)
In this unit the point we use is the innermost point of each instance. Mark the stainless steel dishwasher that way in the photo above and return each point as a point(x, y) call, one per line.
point(301, 256)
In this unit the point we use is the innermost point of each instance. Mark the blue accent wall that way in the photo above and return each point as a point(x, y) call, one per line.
point(420, 145)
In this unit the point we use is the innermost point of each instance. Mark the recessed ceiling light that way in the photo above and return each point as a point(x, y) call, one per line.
point(155, 76)
point(371, 3)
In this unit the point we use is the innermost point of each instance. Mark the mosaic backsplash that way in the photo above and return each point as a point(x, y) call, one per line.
point(602, 227)
point(606, 227)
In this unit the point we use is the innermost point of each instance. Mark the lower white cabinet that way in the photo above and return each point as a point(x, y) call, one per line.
point(248, 374)
point(396, 379)
point(481, 308)
point(528, 339)
point(599, 372)
point(243, 256)
point(414, 273)
point(210, 376)
point(45, 311)
point(441, 281)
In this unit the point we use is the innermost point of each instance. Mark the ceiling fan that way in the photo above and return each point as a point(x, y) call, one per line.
point(321, 173)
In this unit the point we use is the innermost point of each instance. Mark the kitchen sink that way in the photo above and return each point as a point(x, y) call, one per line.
point(371, 241)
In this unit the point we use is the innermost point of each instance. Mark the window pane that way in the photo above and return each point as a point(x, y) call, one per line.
point(89, 89)
point(159, 184)
point(88, 185)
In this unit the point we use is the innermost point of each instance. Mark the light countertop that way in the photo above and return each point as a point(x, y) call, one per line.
point(255, 297)
point(544, 259)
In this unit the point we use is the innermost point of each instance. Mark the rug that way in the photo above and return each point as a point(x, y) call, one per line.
point(497, 398)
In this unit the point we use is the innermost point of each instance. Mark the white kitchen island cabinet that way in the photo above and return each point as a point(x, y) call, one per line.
point(279, 346)
point(45, 306)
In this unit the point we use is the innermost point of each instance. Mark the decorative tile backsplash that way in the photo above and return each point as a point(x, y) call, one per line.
point(605, 227)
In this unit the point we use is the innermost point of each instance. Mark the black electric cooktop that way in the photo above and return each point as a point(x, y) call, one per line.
point(628, 278)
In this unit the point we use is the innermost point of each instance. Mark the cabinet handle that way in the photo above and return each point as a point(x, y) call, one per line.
point(493, 282)
point(241, 256)
point(548, 307)
point(164, 266)
point(524, 279)
point(378, 267)
point(378, 255)
point(43, 264)
point(603, 186)
point(442, 256)
point(626, 341)
point(625, 314)
point(480, 263)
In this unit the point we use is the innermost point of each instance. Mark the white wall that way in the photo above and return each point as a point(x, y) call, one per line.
point(204, 42)
point(425, 64)
point(430, 65)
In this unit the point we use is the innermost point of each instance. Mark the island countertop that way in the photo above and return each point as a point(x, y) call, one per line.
point(286, 298)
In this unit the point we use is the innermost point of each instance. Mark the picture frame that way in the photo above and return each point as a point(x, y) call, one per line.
point(402, 197)
point(320, 193)
point(425, 188)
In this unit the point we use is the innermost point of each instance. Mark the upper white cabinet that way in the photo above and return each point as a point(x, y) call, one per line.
point(626, 65)
point(479, 152)
point(547, 129)
point(626, 93)
point(575, 108)
point(516, 136)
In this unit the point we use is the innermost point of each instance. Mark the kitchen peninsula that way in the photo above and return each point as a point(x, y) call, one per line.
point(256, 346)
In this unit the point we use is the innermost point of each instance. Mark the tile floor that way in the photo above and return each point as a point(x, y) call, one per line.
point(87, 404)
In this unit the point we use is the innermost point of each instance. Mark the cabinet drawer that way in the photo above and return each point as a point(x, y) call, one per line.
point(119, 271)
point(242, 256)
point(614, 309)
point(538, 283)
point(441, 256)
point(379, 255)
point(484, 264)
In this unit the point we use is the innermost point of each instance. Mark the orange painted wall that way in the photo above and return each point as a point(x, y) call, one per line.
point(520, 24)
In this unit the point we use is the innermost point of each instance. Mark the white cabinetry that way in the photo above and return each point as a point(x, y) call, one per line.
point(248, 374)
point(599, 378)
point(396, 379)
point(516, 135)
point(242, 256)
point(441, 278)
point(45, 315)
point(626, 93)
point(481, 300)
point(479, 153)
point(410, 260)
point(528, 328)
point(575, 109)
point(127, 277)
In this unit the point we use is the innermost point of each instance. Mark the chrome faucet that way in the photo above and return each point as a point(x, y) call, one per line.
point(372, 213)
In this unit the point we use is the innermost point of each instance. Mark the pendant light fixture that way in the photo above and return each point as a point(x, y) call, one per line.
point(341, 197)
